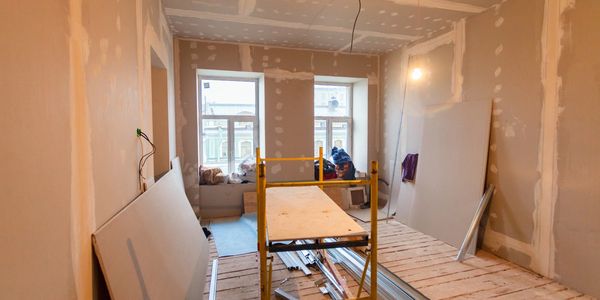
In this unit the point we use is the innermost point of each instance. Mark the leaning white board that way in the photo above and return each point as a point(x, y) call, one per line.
point(451, 169)
point(154, 248)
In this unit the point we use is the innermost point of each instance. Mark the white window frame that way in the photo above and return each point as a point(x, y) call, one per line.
point(329, 120)
point(231, 120)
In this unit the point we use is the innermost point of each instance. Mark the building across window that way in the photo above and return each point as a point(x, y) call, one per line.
point(229, 122)
point(333, 117)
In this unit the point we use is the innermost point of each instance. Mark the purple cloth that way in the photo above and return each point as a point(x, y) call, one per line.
point(409, 167)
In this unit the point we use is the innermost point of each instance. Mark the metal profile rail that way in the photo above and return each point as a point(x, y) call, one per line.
point(390, 286)
point(483, 203)
point(264, 246)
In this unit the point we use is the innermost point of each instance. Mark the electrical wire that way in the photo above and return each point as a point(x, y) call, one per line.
point(144, 158)
point(354, 26)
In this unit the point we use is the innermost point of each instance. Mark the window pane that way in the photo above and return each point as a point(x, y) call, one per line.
point(339, 130)
point(244, 141)
point(321, 136)
point(332, 101)
point(228, 97)
point(214, 144)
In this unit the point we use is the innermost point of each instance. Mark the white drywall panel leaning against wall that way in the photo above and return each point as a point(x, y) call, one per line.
point(154, 248)
point(451, 170)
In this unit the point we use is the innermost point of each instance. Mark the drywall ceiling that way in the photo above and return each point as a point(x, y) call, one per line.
point(383, 25)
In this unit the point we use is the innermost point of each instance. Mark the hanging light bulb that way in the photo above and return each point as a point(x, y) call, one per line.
point(416, 74)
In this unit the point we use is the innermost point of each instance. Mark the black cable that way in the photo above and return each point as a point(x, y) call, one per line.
point(144, 157)
point(354, 26)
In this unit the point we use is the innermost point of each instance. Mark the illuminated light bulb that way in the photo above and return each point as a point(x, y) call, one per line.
point(416, 74)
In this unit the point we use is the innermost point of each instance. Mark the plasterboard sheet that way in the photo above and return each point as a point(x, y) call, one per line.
point(154, 248)
point(451, 170)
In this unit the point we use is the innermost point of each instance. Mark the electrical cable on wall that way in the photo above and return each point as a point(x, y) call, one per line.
point(144, 157)
point(354, 26)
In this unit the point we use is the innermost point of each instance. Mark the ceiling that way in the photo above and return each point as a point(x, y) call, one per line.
point(383, 25)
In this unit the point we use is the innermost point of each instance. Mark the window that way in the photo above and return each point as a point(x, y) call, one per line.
point(333, 117)
point(229, 122)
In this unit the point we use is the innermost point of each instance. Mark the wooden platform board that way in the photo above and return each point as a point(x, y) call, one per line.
point(295, 213)
point(424, 262)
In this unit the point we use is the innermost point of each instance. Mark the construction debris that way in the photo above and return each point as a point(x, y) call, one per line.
point(389, 286)
point(281, 294)
point(333, 284)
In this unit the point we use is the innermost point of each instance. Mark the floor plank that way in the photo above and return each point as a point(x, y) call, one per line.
point(424, 262)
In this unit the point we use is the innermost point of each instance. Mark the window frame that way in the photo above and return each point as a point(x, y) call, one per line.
point(329, 120)
point(231, 119)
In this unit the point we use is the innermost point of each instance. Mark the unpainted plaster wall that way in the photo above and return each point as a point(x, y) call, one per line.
point(288, 78)
point(576, 223)
point(76, 83)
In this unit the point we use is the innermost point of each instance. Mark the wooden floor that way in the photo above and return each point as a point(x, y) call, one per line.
point(422, 261)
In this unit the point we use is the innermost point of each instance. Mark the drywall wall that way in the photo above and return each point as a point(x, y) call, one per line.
point(35, 206)
point(288, 96)
point(160, 119)
point(543, 214)
point(576, 223)
point(76, 84)
point(122, 36)
point(502, 62)
point(435, 87)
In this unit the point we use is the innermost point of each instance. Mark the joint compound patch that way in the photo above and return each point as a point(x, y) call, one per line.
point(278, 143)
point(278, 118)
point(212, 57)
point(194, 56)
point(279, 130)
point(499, 22)
point(193, 45)
point(279, 106)
point(509, 131)
point(211, 47)
point(499, 49)
point(276, 169)
point(280, 74)
point(497, 88)
point(278, 91)
point(493, 169)
point(278, 154)
point(498, 71)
